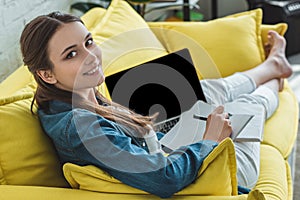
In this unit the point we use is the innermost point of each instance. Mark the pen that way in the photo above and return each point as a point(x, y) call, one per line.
point(205, 118)
point(200, 117)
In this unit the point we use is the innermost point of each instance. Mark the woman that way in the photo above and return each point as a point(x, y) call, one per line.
point(86, 128)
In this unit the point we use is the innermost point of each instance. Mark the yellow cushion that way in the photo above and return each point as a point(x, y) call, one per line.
point(93, 17)
point(27, 155)
point(281, 28)
point(94, 179)
point(16, 81)
point(233, 43)
point(125, 38)
point(201, 58)
point(217, 176)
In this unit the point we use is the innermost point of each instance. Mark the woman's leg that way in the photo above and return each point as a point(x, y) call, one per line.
point(265, 95)
point(248, 163)
point(248, 153)
point(266, 77)
point(276, 66)
point(219, 91)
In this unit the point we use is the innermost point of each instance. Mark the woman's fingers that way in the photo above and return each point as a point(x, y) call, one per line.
point(218, 110)
point(218, 125)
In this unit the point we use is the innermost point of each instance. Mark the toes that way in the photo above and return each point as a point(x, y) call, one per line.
point(273, 34)
point(277, 42)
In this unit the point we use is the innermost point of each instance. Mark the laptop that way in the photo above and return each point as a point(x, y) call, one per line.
point(168, 85)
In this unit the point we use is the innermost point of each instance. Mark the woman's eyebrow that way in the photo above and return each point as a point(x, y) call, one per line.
point(66, 49)
point(72, 46)
point(87, 36)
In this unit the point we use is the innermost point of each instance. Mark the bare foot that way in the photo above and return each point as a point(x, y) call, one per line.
point(277, 55)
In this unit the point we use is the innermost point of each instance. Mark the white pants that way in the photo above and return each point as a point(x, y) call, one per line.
point(242, 88)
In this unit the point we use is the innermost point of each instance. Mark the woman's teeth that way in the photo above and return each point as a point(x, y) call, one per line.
point(92, 71)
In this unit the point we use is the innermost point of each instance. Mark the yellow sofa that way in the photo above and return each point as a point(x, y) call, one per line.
point(29, 166)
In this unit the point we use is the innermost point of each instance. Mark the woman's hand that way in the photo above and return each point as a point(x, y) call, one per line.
point(217, 125)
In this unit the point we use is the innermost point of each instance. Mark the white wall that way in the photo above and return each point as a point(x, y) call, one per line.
point(14, 14)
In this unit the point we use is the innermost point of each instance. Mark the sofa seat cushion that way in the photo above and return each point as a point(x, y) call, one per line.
point(281, 129)
point(27, 156)
point(221, 162)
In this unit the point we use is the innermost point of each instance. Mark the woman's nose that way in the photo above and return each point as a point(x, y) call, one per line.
point(91, 57)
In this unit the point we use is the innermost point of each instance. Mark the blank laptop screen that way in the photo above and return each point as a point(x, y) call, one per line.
point(168, 85)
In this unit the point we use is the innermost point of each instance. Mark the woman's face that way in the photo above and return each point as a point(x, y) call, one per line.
point(76, 58)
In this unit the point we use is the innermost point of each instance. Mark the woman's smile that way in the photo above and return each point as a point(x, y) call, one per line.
point(94, 71)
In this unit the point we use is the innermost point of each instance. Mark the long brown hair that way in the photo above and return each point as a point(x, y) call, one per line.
point(34, 47)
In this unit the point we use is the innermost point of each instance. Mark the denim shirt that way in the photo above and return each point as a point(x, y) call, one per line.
point(85, 138)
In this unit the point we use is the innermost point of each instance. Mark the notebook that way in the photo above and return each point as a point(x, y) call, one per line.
point(168, 85)
point(247, 121)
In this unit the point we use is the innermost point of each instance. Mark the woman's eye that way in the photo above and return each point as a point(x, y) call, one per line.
point(71, 54)
point(89, 42)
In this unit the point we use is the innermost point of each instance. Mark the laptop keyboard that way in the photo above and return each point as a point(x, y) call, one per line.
point(166, 125)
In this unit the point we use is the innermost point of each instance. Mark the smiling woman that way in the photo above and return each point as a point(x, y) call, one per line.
point(74, 53)
point(66, 63)
point(88, 129)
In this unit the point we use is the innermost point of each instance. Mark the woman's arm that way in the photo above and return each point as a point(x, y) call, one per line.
point(102, 143)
